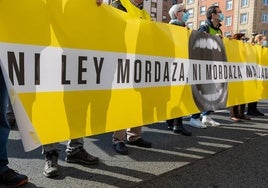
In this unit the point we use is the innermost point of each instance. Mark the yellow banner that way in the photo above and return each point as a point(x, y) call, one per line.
point(74, 69)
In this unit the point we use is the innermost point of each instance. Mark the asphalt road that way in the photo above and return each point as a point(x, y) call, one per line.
point(232, 155)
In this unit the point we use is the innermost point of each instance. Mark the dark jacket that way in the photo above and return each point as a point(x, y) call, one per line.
point(206, 27)
point(117, 4)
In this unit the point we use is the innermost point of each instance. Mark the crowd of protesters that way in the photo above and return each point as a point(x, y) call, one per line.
point(75, 151)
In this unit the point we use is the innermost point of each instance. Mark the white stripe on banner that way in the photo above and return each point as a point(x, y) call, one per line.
point(45, 69)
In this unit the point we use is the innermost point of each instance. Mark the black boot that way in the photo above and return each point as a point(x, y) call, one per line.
point(170, 124)
point(181, 130)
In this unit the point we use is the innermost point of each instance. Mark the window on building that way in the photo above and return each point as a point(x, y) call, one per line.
point(264, 32)
point(243, 31)
point(164, 17)
point(228, 20)
point(243, 18)
point(202, 22)
point(229, 4)
point(153, 14)
point(227, 34)
point(153, 9)
point(190, 25)
point(108, 1)
point(153, 4)
point(265, 2)
point(264, 17)
point(202, 10)
point(191, 12)
point(190, 1)
point(215, 4)
point(244, 3)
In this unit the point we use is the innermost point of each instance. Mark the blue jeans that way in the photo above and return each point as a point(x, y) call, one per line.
point(4, 125)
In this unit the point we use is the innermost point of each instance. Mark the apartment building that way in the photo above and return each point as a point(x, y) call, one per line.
point(241, 16)
point(158, 9)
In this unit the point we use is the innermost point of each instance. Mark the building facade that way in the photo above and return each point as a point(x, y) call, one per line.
point(158, 9)
point(241, 16)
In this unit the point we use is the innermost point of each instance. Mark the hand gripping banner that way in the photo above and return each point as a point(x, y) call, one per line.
point(74, 69)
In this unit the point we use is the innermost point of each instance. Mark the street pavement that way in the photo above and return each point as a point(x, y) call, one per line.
point(231, 155)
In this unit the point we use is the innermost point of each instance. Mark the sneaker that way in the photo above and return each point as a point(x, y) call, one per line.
point(197, 123)
point(121, 148)
point(207, 120)
point(51, 166)
point(81, 157)
point(11, 178)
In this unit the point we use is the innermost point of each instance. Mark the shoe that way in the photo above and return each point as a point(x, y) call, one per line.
point(244, 117)
point(235, 119)
point(207, 120)
point(170, 124)
point(197, 123)
point(11, 178)
point(81, 156)
point(252, 113)
point(141, 143)
point(121, 148)
point(181, 130)
point(259, 113)
point(170, 127)
point(51, 166)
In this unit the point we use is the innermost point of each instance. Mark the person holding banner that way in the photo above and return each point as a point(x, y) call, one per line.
point(99, 2)
point(135, 8)
point(211, 26)
point(8, 177)
point(259, 40)
point(237, 112)
point(75, 152)
point(179, 16)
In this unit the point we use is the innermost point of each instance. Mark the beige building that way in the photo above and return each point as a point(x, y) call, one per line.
point(241, 16)
point(158, 9)
point(246, 16)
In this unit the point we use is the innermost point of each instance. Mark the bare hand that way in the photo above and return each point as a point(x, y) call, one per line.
point(219, 36)
point(99, 2)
